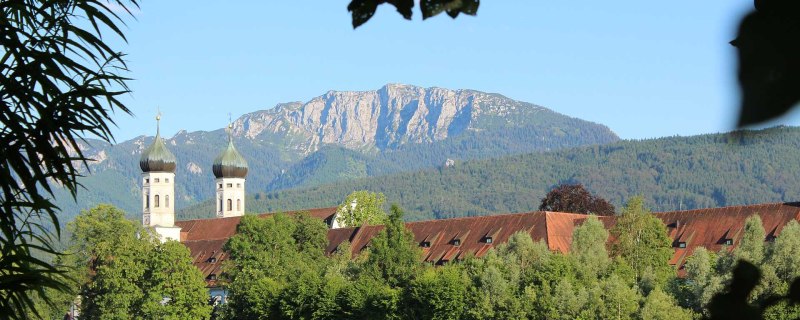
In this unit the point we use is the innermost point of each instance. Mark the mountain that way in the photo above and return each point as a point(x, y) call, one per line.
point(337, 136)
point(672, 173)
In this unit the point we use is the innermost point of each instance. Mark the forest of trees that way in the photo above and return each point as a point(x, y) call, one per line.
point(673, 173)
point(278, 269)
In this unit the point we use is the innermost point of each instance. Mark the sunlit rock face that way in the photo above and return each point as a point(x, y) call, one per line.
point(384, 119)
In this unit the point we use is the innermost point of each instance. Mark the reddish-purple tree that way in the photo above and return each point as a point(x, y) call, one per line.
point(575, 198)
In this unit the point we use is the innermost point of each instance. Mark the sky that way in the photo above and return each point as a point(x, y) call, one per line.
point(645, 69)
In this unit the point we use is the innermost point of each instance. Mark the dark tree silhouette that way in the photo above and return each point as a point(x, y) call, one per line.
point(362, 10)
point(576, 199)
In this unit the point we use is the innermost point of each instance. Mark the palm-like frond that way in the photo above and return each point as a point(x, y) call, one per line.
point(59, 82)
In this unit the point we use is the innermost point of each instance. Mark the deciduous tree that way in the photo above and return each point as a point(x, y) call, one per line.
point(641, 239)
point(575, 198)
point(361, 208)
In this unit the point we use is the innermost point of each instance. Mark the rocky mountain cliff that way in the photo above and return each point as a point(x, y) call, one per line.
point(387, 118)
point(343, 135)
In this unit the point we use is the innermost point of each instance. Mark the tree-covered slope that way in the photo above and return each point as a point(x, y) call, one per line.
point(338, 136)
point(671, 173)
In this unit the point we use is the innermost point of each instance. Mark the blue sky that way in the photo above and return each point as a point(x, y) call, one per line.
point(646, 69)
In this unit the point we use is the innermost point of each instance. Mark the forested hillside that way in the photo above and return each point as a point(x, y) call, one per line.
point(671, 173)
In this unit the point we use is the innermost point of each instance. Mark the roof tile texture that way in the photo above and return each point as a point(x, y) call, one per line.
point(452, 239)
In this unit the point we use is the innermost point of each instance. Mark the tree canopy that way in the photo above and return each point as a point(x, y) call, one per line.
point(126, 272)
point(574, 198)
point(361, 208)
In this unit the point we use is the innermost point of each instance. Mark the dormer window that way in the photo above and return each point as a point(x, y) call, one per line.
point(425, 244)
point(212, 260)
point(212, 277)
point(458, 238)
point(487, 239)
point(728, 242)
point(681, 244)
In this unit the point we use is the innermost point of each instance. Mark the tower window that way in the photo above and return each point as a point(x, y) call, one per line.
point(230, 205)
point(238, 204)
point(155, 201)
point(147, 201)
point(155, 180)
point(220, 186)
point(230, 185)
point(220, 204)
point(238, 185)
point(146, 180)
point(166, 180)
point(166, 201)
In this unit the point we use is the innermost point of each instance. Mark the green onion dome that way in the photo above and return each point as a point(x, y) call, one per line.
point(229, 163)
point(157, 158)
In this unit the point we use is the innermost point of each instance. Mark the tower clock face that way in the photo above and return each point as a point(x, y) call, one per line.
point(146, 220)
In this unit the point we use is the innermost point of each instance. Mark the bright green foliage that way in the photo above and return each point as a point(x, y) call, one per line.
point(103, 239)
point(704, 281)
point(589, 247)
point(619, 299)
point(706, 274)
point(642, 240)
point(660, 306)
point(785, 255)
point(276, 267)
point(361, 208)
point(171, 275)
point(393, 255)
point(125, 272)
point(494, 293)
point(751, 247)
point(439, 293)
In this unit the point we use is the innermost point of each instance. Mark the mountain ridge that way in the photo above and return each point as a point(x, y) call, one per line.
point(341, 135)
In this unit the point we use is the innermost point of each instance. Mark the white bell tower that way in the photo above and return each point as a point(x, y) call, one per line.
point(158, 188)
point(230, 170)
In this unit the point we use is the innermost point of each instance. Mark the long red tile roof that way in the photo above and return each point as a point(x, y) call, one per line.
point(453, 239)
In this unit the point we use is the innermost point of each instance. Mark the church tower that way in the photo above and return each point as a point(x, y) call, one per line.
point(230, 170)
point(158, 188)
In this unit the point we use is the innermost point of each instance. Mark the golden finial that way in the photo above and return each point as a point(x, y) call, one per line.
point(158, 121)
point(230, 127)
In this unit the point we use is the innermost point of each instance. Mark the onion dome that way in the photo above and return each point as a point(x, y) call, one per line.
point(157, 158)
point(230, 163)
